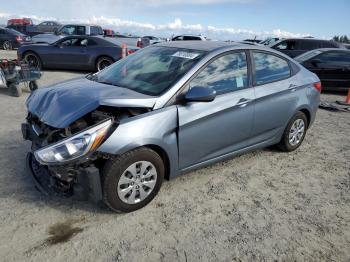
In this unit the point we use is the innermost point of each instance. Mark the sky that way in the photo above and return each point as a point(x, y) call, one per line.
point(216, 19)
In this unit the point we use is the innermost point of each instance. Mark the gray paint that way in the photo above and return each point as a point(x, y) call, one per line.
point(196, 134)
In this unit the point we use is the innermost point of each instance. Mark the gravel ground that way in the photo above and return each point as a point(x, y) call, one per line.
point(261, 206)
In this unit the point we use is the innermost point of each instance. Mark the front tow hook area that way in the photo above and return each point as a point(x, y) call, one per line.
point(39, 174)
point(87, 185)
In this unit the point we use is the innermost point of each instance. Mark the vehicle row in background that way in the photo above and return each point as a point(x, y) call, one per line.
point(66, 30)
point(26, 26)
point(91, 53)
point(10, 38)
point(297, 46)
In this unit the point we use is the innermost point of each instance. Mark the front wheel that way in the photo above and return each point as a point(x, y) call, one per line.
point(294, 133)
point(132, 180)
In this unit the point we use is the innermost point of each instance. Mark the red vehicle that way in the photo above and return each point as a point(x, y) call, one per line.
point(20, 21)
point(108, 32)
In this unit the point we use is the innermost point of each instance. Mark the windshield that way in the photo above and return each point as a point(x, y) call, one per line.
point(150, 71)
point(307, 55)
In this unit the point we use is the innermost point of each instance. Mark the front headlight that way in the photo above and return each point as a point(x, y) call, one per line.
point(75, 146)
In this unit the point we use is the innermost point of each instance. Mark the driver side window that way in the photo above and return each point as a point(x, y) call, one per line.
point(227, 73)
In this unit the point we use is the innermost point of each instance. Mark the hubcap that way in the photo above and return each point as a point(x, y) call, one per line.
point(296, 132)
point(137, 182)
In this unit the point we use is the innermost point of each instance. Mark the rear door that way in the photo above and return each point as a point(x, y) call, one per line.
point(276, 95)
point(209, 130)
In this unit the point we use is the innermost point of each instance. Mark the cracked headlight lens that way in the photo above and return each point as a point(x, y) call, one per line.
point(75, 146)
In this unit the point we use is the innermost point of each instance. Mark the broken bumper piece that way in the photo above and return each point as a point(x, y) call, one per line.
point(86, 184)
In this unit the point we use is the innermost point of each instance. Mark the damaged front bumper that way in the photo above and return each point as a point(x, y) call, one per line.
point(79, 179)
point(86, 184)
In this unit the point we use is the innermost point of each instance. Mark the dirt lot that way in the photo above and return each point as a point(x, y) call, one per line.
point(261, 206)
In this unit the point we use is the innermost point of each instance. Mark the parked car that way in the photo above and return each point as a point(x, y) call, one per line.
point(74, 52)
point(151, 40)
point(10, 39)
point(347, 46)
point(297, 46)
point(163, 111)
point(48, 27)
point(188, 38)
point(66, 30)
point(331, 65)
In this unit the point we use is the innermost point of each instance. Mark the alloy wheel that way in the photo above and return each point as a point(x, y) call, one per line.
point(296, 132)
point(137, 182)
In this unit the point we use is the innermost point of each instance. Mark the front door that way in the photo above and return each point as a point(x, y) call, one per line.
point(70, 53)
point(212, 129)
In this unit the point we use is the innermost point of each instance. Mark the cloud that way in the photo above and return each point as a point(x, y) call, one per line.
point(166, 30)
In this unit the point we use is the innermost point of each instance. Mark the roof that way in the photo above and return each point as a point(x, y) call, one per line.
point(199, 45)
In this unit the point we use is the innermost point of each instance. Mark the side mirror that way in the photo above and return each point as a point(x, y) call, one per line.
point(315, 62)
point(200, 94)
point(55, 31)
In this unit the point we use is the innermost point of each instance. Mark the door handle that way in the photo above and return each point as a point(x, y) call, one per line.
point(243, 102)
point(292, 87)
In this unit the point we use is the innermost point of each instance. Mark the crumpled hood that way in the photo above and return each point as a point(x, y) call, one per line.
point(62, 104)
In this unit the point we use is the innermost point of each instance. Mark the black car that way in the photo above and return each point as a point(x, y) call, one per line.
point(331, 65)
point(10, 39)
point(74, 52)
point(297, 46)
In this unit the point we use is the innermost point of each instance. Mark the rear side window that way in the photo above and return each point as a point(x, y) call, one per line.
point(286, 45)
point(335, 57)
point(95, 30)
point(269, 68)
point(225, 74)
point(309, 44)
point(80, 30)
point(191, 38)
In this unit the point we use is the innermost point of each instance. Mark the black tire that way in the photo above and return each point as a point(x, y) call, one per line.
point(103, 62)
point(114, 169)
point(15, 90)
point(33, 60)
point(7, 45)
point(33, 85)
point(285, 144)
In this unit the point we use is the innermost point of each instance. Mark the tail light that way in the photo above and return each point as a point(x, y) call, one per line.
point(318, 86)
point(19, 38)
point(130, 51)
point(139, 43)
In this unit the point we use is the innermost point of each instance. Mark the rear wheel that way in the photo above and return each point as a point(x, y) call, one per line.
point(132, 180)
point(294, 133)
point(7, 45)
point(103, 62)
point(33, 60)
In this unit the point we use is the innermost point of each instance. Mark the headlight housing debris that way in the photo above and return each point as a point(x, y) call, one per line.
point(75, 146)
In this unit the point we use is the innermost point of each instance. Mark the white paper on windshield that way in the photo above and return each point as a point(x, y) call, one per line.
point(186, 55)
point(239, 82)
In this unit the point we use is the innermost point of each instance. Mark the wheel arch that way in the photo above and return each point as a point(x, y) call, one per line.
point(163, 154)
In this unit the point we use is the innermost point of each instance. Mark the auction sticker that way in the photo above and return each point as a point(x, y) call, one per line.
point(186, 55)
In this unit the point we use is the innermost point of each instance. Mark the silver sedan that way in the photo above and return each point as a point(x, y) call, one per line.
point(163, 111)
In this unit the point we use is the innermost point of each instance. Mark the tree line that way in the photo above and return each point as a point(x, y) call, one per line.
point(341, 39)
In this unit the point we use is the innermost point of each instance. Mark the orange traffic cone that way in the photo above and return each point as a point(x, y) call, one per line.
point(123, 50)
point(347, 100)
